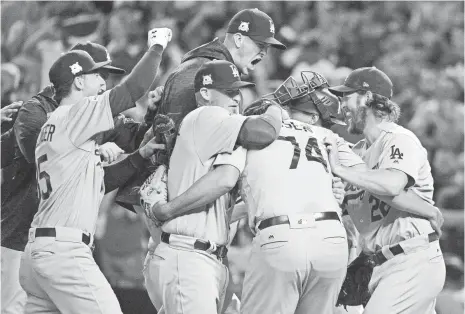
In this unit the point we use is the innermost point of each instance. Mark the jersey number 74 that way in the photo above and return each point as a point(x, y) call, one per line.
point(312, 151)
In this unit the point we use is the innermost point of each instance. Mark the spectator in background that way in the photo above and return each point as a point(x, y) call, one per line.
point(451, 196)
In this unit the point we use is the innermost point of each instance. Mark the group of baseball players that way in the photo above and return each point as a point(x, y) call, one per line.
point(293, 176)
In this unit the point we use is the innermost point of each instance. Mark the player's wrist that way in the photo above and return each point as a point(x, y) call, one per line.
point(160, 211)
point(144, 153)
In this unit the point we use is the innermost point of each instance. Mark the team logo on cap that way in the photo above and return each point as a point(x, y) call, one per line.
point(271, 26)
point(207, 79)
point(244, 26)
point(75, 68)
point(365, 84)
point(235, 72)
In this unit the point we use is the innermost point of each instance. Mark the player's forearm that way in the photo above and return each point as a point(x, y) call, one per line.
point(135, 85)
point(408, 201)
point(260, 131)
point(204, 191)
point(378, 181)
point(118, 174)
point(127, 134)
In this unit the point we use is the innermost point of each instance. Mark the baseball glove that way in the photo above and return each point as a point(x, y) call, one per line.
point(164, 132)
point(354, 290)
point(153, 191)
point(259, 107)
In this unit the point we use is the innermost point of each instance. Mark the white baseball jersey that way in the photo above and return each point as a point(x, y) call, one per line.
point(69, 170)
point(206, 138)
point(292, 175)
point(378, 223)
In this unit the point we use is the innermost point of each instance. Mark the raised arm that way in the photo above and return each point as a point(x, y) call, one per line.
point(135, 85)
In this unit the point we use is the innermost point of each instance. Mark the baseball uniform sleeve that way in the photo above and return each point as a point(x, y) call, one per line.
point(216, 132)
point(90, 116)
point(236, 158)
point(404, 154)
point(31, 118)
point(346, 156)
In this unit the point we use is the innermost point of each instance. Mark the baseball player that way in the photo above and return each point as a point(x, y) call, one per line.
point(19, 197)
point(410, 269)
point(299, 254)
point(57, 268)
point(249, 35)
point(193, 241)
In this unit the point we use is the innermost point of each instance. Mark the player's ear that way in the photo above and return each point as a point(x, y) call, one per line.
point(238, 40)
point(79, 82)
point(205, 93)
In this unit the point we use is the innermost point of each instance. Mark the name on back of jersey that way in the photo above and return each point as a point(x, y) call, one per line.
point(291, 125)
point(46, 134)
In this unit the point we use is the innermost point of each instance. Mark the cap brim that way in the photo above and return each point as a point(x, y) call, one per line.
point(239, 84)
point(273, 42)
point(114, 70)
point(337, 121)
point(98, 65)
point(338, 90)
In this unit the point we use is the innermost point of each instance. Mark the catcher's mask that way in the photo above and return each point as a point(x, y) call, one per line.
point(314, 91)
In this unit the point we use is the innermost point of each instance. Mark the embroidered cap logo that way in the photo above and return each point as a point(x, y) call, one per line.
point(207, 80)
point(244, 26)
point(75, 68)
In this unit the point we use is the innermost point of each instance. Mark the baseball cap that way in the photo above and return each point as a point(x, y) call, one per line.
point(367, 79)
point(255, 24)
point(100, 54)
point(72, 64)
point(219, 74)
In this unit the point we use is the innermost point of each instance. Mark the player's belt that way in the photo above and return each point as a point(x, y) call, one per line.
point(281, 220)
point(380, 258)
point(51, 232)
point(219, 251)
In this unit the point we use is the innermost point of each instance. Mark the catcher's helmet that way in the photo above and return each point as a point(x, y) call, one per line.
point(314, 91)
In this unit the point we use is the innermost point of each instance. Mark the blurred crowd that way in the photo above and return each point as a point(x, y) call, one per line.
point(419, 45)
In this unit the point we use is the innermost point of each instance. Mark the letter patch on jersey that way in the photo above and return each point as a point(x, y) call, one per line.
point(396, 154)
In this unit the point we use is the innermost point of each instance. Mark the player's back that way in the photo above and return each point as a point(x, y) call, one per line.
point(292, 175)
point(69, 171)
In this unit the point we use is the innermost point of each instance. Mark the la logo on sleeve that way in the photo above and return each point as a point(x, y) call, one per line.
point(396, 154)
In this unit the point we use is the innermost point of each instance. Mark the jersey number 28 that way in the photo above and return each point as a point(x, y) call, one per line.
point(42, 175)
point(312, 151)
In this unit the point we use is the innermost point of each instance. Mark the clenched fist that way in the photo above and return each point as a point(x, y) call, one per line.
point(161, 36)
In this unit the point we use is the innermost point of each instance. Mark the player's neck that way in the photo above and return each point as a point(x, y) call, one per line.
point(371, 130)
point(71, 99)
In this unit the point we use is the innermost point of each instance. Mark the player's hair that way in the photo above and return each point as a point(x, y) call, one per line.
point(62, 91)
point(383, 108)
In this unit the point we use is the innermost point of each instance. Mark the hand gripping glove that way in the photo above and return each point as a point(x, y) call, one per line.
point(153, 191)
point(354, 290)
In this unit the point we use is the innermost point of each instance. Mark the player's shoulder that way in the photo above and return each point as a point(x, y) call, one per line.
point(395, 132)
point(209, 112)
